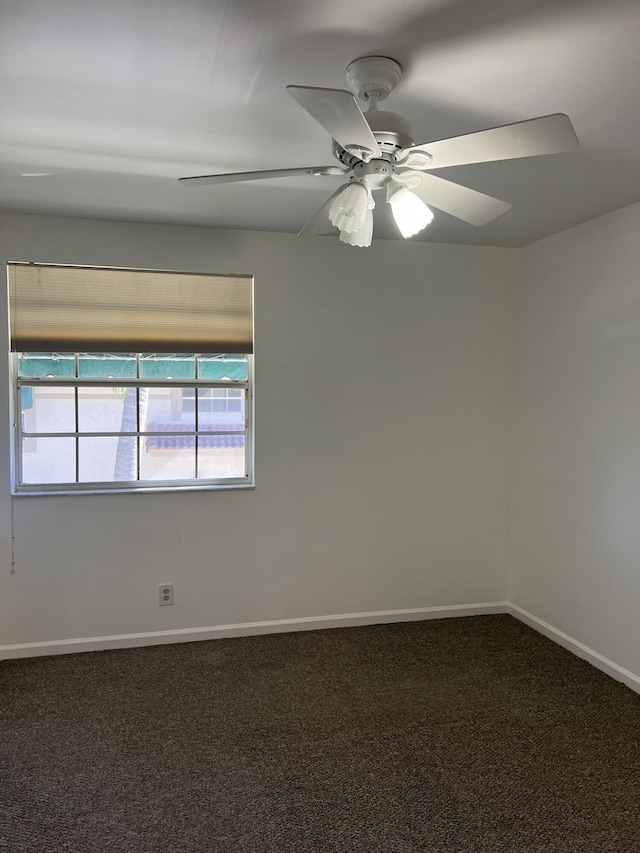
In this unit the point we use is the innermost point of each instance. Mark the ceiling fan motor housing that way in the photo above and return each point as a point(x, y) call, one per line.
point(392, 132)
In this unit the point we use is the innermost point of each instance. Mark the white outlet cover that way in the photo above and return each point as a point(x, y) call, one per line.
point(165, 593)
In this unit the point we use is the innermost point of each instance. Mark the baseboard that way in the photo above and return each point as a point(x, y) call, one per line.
point(315, 623)
point(599, 661)
point(189, 635)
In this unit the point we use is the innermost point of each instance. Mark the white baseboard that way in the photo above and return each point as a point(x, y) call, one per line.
point(599, 661)
point(314, 623)
point(189, 635)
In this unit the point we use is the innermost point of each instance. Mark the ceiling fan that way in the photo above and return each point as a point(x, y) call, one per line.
point(378, 151)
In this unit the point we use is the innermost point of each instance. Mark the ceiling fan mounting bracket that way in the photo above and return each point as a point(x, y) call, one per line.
point(373, 77)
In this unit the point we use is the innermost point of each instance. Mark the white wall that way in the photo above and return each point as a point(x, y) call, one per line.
point(575, 514)
point(353, 511)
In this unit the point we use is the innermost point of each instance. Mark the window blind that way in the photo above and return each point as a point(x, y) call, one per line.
point(96, 309)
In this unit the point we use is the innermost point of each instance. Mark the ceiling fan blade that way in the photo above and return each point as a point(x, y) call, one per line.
point(462, 202)
point(551, 134)
point(319, 222)
point(232, 177)
point(339, 113)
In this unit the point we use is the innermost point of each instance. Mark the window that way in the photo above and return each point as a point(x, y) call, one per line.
point(122, 420)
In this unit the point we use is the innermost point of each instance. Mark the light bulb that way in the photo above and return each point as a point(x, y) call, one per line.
point(410, 212)
point(348, 209)
point(363, 236)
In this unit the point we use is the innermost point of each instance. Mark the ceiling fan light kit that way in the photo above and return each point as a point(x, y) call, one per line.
point(349, 208)
point(378, 151)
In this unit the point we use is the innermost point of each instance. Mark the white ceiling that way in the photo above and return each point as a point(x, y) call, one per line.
point(116, 100)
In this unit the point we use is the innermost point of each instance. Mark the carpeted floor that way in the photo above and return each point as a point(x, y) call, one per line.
point(459, 735)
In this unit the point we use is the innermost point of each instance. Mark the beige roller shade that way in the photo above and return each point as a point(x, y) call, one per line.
point(92, 309)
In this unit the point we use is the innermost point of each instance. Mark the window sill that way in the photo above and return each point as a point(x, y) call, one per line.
point(140, 491)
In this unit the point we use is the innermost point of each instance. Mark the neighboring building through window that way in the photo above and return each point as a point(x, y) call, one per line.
point(212, 400)
point(103, 421)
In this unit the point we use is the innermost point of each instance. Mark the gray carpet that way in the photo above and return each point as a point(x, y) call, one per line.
point(460, 735)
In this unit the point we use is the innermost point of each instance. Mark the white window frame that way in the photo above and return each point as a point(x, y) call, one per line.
point(197, 484)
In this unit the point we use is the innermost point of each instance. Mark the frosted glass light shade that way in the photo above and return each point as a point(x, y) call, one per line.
point(410, 212)
point(363, 236)
point(348, 210)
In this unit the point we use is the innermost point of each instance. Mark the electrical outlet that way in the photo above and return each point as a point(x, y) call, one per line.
point(166, 593)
